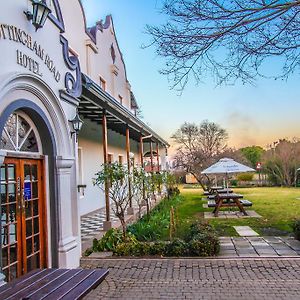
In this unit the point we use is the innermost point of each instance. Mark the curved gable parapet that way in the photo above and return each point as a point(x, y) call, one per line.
point(102, 27)
point(98, 51)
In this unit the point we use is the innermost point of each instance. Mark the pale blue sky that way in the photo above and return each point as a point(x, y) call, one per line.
point(252, 115)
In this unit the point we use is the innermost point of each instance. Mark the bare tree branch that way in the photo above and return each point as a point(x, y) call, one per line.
point(229, 40)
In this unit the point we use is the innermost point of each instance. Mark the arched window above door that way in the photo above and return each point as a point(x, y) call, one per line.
point(20, 135)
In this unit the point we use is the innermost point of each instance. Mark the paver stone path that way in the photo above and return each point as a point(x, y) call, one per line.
point(245, 231)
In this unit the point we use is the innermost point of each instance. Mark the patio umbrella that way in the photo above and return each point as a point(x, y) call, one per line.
point(227, 166)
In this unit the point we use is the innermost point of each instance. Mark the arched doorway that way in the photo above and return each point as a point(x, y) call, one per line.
point(23, 201)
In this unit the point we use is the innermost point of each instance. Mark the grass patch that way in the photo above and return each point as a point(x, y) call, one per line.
point(278, 207)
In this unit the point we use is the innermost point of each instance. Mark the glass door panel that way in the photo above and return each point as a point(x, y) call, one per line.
point(10, 187)
point(32, 208)
point(23, 236)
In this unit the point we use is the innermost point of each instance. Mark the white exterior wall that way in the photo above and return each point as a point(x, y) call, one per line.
point(96, 61)
point(41, 89)
point(90, 142)
point(95, 58)
point(20, 82)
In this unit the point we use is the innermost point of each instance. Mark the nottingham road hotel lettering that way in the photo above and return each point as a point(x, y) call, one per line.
point(12, 33)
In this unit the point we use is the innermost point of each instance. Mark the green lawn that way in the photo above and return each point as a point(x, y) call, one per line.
point(277, 206)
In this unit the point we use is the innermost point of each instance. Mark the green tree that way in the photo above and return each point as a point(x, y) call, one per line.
point(253, 154)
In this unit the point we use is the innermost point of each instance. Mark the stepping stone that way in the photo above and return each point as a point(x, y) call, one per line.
point(253, 214)
point(245, 231)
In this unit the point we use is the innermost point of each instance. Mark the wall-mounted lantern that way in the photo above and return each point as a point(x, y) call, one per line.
point(77, 125)
point(39, 14)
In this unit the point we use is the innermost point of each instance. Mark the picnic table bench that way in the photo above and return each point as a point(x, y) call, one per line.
point(228, 200)
point(220, 190)
point(244, 202)
point(215, 188)
point(52, 284)
point(224, 190)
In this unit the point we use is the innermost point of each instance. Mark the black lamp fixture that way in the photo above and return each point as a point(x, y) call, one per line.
point(39, 14)
point(77, 125)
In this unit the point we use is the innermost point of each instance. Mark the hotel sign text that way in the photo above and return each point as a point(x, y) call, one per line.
point(12, 33)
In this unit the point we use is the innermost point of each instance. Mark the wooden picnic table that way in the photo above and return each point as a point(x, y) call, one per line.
point(213, 189)
point(228, 200)
point(50, 284)
point(224, 190)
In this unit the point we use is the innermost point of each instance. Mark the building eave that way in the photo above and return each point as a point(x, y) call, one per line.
point(103, 100)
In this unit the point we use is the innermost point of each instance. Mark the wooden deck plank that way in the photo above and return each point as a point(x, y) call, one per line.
point(88, 285)
point(18, 281)
point(41, 280)
point(20, 284)
point(70, 285)
point(53, 285)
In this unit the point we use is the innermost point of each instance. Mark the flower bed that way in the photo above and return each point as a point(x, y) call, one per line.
point(201, 240)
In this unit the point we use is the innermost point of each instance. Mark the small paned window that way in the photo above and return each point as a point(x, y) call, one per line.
point(19, 135)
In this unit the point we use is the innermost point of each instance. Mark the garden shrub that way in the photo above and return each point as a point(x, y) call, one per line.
point(132, 249)
point(198, 227)
point(204, 244)
point(234, 182)
point(296, 229)
point(245, 176)
point(177, 247)
point(88, 252)
point(200, 240)
point(111, 240)
point(157, 248)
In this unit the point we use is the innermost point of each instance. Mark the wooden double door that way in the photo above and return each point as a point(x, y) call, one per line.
point(23, 217)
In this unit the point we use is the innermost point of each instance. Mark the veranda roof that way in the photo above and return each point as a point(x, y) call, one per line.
point(94, 101)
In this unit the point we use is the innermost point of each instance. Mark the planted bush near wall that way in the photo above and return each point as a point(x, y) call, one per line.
point(111, 240)
point(201, 241)
point(150, 236)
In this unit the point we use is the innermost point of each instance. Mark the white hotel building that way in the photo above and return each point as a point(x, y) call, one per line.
point(47, 77)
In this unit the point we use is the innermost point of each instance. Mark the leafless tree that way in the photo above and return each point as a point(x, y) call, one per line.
point(229, 39)
point(198, 147)
point(281, 162)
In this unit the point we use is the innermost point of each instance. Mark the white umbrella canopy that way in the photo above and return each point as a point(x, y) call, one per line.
point(227, 166)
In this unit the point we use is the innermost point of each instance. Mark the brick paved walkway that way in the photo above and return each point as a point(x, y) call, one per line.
point(256, 278)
